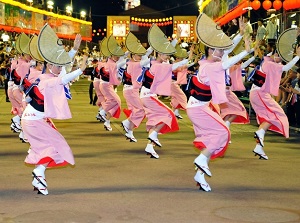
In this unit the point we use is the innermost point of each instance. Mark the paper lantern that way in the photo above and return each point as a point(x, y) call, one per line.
point(255, 4)
point(267, 4)
point(286, 4)
point(277, 4)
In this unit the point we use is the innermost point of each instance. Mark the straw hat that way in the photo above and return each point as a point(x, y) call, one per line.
point(103, 47)
point(51, 48)
point(133, 45)
point(272, 16)
point(159, 42)
point(210, 34)
point(17, 44)
point(113, 47)
point(33, 49)
point(24, 43)
point(239, 48)
point(180, 52)
point(286, 44)
point(295, 69)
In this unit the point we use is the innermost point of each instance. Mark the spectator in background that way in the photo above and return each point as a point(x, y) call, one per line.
point(248, 29)
point(271, 29)
point(261, 30)
point(293, 100)
point(233, 27)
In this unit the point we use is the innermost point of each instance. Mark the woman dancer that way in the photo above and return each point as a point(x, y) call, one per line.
point(48, 146)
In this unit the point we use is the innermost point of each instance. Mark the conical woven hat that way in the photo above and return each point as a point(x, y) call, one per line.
point(180, 52)
point(210, 34)
point(113, 47)
point(33, 49)
point(159, 42)
point(18, 44)
point(103, 47)
point(51, 48)
point(24, 43)
point(239, 48)
point(287, 43)
point(133, 45)
point(199, 48)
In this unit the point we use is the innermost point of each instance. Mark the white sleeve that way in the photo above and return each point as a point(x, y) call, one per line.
point(233, 60)
point(235, 41)
point(72, 53)
point(290, 64)
point(174, 42)
point(148, 52)
point(179, 64)
point(248, 62)
point(70, 76)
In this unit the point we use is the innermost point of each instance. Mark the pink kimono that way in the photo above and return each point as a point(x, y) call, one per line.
point(112, 103)
point(135, 111)
point(15, 94)
point(178, 98)
point(47, 145)
point(265, 107)
point(234, 106)
point(210, 129)
point(156, 111)
point(96, 83)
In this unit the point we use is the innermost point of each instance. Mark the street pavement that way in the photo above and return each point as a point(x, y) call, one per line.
point(115, 181)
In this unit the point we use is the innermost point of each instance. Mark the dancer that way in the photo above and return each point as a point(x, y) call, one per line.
point(48, 147)
point(157, 80)
point(179, 76)
point(15, 93)
point(109, 78)
point(135, 112)
point(266, 81)
point(212, 135)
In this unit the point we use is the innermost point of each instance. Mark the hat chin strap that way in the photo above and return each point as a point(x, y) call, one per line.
point(213, 55)
point(56, 75)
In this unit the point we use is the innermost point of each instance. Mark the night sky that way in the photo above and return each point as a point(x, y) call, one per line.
point(101, 8)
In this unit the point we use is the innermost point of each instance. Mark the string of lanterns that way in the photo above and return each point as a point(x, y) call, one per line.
point(148, 22)
point(277, 4)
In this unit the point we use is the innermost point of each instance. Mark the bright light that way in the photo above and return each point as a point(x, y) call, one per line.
point(69, 9)
point(30, 1)
point(50, 3)
point(82, 14)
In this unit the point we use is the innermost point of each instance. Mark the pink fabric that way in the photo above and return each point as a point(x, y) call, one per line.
point(182, 75)
point(55, 101)
point(236, 78)
point(273, 73)
point(178, 98)
point(135, 106)
point(162, 78)
point(268, 110)
point(234, 107)
point(15, 98)
point(47, 144)
point(212, 74)
point(14, 63)
point(157, 113)
point(111, 67)
point(135, 70)
point(112, 103)
point(100, 97)
point(34, 74)
point(210, 130)
point(22, 68)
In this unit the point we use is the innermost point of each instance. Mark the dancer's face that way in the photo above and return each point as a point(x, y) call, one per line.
point(54, 69)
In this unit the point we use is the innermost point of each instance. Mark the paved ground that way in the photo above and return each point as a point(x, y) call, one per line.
point(114, 181)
